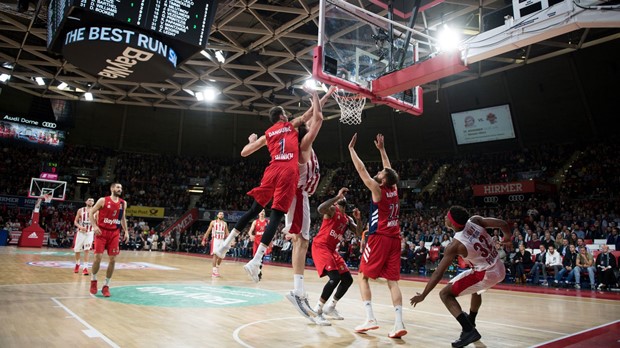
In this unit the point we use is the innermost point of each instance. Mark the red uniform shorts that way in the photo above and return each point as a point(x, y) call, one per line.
point(326, 260)
point(279, 183)
point(381, 257)
point(107, 240)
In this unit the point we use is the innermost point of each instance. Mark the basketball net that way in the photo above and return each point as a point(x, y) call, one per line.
point(351, 106)
point(47, 198)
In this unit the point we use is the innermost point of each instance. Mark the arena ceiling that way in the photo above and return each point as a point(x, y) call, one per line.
point(267, 46)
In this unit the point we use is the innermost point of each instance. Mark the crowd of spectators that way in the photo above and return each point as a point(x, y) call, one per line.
point(585, 208)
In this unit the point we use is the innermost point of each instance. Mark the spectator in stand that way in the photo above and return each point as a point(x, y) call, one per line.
point(534, 243)
point(540, 265)
point(420, 255)
point(585, 262)
point(503, 256)
point(606, 265)
point(559, 241)
point(573, 239)
point(613, 238)
point(521, 261)
point(554, 260)
point(578, 230)
point(569, 262)
point(547, 240)
point(564, 248)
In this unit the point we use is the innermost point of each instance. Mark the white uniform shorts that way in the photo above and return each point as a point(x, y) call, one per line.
point(216, 244)
point(83, 241)
point(297, 220)
point(471, 281)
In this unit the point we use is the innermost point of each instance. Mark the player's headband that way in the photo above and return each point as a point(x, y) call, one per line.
point(454, 223)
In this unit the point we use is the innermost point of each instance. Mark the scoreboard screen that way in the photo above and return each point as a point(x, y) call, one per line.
point(188, 21)
point(185, 20)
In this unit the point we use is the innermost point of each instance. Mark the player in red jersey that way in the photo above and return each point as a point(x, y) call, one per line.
point(257, 230)
point(475, 245)
point(218, 228)
point(278, 183)
point(327, 260)
point(110, 220)
point(381, 255)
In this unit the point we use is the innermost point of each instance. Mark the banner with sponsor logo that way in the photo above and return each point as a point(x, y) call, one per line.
point(502, 199)
point(509, 188)
point(148, 212)
point(229, 215)
point(25, 202)
point(183, 223)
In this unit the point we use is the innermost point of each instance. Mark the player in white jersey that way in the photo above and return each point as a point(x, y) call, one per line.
point(297, 219)
point(475, 246)
point(83, 236)
point(219, 229)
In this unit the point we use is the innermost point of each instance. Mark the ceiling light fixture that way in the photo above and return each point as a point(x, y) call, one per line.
point(39, 81)
point(62, 86)
point(88, 96)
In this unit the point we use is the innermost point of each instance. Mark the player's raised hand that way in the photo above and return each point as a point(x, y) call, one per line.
point(342, 192)
point(379, 142)
point(417, 299)
point(252, 138)
point(331, 90)
point(353, 140)
point(357, 214)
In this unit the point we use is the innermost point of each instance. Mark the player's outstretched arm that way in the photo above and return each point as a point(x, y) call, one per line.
point(356, 225)
point(124, 222)
point(315, 125)
point(449, 254)
point(495, 223)
point(77, 220)
point(327, 208)
point(379, 143)
point(372, 185)
point(206, 236)
point(253, 145)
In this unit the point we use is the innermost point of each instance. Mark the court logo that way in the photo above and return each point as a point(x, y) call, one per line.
point(192, 296)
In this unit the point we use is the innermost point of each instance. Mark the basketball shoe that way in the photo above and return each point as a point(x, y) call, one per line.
point(299, 302)
point(398, 331)
point(254, 271)
point(367, 325)
point(466, 338)
point(85, 271)
point(93, 287)
point(332, 313)
point(321, 321)
point(105, 291)
point(76, 269)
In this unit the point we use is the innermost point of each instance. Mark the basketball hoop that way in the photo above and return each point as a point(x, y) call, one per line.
point(351, 106)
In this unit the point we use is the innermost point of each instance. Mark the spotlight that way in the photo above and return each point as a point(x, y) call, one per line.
point(39, 81)
point(62, 86)
point(219, 55)
point(88, 96)
point(200, 96)
point(4, 77)
point(210, 93)
point(448, 39)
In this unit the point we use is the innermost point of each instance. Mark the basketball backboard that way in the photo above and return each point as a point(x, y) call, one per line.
point(41, 187)
point(381, 59)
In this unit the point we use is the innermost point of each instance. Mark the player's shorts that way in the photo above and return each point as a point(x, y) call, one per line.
point(326, 260)
point(381, 257)
point(470, 281)
point(83, 241)
point(278, 183)
point(107, 240)
point(297, 219)
point(215, 244)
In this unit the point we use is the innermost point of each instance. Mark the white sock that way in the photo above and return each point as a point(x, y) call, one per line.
point(319, 307)
point(260, 252)
point(369, 314)
point(398, 311)
point(93, 276)
point(333, 303)
point(107, 282)
point(298, 284)
point(232, 235)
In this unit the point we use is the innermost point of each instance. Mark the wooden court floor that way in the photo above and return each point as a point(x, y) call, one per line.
point(170, 300)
